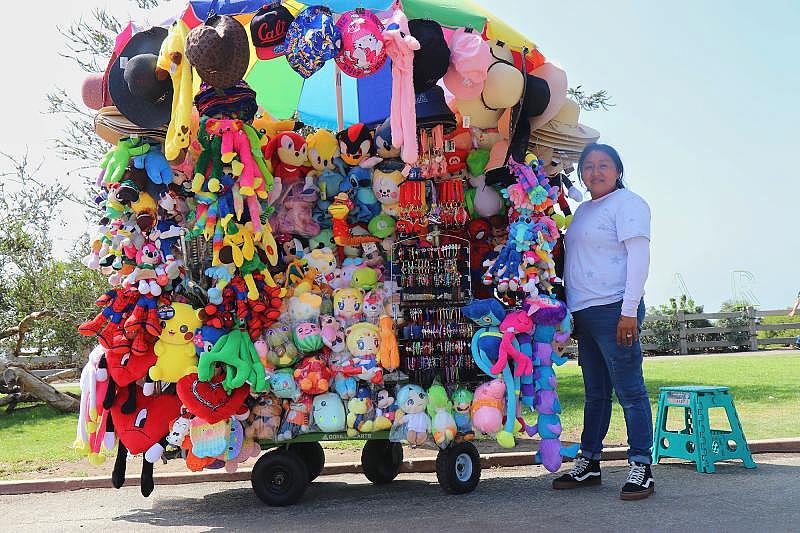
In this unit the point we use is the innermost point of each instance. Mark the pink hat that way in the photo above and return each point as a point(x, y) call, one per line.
point(92, 91)
point(469, 62)
point(556, 80)
point(363, 53)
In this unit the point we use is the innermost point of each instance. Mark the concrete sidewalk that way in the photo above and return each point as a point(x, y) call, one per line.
point(514, 499)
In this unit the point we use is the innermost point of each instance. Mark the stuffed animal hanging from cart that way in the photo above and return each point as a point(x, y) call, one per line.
point(551, 334)
point(486, 347)
point(142, 431)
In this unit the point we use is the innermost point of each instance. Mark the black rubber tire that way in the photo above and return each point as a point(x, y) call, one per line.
point(381, 460)
point(279, 478)
point(458, 468)
point(312, 455)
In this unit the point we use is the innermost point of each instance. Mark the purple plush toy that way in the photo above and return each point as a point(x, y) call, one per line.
point(552, 325)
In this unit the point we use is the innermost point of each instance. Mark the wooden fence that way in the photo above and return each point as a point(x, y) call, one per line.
point(743, 334)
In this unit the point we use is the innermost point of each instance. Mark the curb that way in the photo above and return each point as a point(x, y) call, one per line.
point(411, 466)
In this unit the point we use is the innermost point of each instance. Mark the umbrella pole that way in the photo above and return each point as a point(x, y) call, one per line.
point(339, 109)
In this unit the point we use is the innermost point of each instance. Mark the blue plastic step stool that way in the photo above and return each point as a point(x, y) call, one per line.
point(697, 441)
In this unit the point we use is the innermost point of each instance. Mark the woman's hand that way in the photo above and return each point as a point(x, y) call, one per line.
point(627, 330)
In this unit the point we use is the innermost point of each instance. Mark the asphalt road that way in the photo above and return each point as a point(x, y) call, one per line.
point(507, 499)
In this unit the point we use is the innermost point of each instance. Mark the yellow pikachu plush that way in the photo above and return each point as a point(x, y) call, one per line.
point(174, 348)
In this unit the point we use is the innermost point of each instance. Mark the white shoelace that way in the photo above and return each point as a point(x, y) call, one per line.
point(636, 474)
point(580, 465)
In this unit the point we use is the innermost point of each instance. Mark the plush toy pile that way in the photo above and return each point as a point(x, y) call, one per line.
point(253, 291)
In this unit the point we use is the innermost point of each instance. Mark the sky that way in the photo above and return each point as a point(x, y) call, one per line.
point(705, 112)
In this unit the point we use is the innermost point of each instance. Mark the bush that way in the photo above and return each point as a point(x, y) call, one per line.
point(738, 340)
point(664, 328)
point(789, 332)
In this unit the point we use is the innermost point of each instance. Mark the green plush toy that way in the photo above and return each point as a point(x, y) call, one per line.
point(258, 156)
point(211, 154)
point(116, 160)
point(440, 409)
point(364, 278)
point(237, 351)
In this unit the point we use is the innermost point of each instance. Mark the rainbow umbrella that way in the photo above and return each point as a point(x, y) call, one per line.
point(330, 100)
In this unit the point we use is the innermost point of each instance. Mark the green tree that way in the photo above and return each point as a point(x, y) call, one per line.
point(739, 339)
point(42, 298)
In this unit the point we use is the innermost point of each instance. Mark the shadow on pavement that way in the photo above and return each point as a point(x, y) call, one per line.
point(733, 498)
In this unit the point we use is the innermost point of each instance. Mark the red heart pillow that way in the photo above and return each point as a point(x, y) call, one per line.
point(126, 367)
point(208, 399)
point(148, 423)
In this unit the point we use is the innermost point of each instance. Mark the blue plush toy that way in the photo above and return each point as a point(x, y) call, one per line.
point(155, 164)
point(205, 337)
point(506, 268)
point(359, 187)
point(329, 184)
point(489, 313)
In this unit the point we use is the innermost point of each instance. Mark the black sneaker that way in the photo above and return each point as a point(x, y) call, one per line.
point(585, 473)
point(640, 483)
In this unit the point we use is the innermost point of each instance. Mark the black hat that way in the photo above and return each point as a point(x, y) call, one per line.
point(433, 57)
point(431, 109)
point(136, 90)
point(268, 30)
point(535, 97)
point(534, 102)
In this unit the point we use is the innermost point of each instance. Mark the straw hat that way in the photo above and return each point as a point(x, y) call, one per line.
point(111, 126)
point(564, 132)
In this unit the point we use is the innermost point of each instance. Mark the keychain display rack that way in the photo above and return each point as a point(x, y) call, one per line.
point(433, 335)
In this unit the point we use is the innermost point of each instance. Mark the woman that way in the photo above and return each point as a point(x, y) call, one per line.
point(607, 259)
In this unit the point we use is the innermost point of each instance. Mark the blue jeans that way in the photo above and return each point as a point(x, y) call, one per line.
point(606, 366)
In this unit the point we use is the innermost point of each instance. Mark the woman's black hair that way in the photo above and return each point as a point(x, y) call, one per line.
point(610, 152)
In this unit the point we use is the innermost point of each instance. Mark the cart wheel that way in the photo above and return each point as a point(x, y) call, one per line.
point(381, 460)
point(458, 468)
point(312, 455)
point(279, 478)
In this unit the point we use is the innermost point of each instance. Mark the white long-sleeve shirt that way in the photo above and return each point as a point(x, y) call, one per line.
point(608, 252)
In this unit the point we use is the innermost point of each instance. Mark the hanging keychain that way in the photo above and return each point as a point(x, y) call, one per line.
point(424, 161)
point(461, 215)
point(438, 161)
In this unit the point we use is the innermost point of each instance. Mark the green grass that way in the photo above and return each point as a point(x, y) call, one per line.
point(766, 390)
point(35, 438)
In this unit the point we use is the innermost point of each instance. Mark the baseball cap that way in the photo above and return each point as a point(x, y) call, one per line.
point(268, 29)
point(311, 40)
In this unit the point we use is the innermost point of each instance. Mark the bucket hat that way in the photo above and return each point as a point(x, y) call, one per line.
point(432, 110)
point(433, 57)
